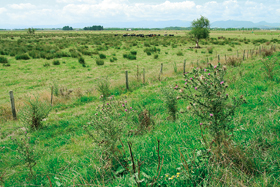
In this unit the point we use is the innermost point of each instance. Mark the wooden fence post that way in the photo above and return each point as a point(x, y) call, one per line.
point(143, 75)
point(161, 66)
point(260, 51)
point(126, 79)
point(13, 105)
point(218, 58)
point(52, 96)
point(226, 58)
point(244, 55)
point(137, 73)
point(237, 54)
point(184, 68)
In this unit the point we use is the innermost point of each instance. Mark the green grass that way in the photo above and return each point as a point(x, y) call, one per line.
point(66, 154)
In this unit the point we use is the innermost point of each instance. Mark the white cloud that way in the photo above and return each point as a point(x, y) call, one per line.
point(105, 11)
point(2, 10)
point(22, 6)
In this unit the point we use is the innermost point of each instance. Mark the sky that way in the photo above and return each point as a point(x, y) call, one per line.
point(32, 13)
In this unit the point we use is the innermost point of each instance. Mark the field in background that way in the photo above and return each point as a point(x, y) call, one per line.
point(65, 152)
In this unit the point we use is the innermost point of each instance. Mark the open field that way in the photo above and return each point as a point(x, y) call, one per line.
point(66, 153)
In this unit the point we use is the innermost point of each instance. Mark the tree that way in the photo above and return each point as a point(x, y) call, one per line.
point(67, 28)
point(30, 31)
point(200, 30)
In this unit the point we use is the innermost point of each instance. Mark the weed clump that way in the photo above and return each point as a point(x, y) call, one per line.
point(179, 53)
point(234, 61)
point(99, 62)
point(269, 66)
point(3, 60)
point(33, 113)
point(56, 62)
point(22, 57)
point(102, 56)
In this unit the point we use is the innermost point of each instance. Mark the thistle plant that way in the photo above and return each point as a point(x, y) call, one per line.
point(107, 127)
point(103, 87)
point(26, 152)
point(33, 113)
point(205, 89)
point(170, 102)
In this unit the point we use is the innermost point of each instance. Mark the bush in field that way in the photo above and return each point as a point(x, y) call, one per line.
point(234, 61)
point(267, 52)
point(229, 49)
point(3, 60)
point(156, 56)
point(22, 57)
point(205, 90)
point(46, 64)
point(82, 61)
point(34, 112)
point(210, 50)
point(56, 62)
point(111, 60)
point(133, 52)
point(102, 56)
point(103, 87)
point(131, 57)
point(99, 62)
point(269, 65)
point(179, 53)
point(125, 55)
point(170, 102)
point(149, 53)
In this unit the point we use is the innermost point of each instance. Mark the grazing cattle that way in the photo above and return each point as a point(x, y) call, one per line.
point(116, 34)
point(165, 34)
point(132, 35)
point(125, 35)
point(171, 34)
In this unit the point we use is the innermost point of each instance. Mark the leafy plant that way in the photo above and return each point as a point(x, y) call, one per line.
point(205, 89)
point(99, 62)
point(33, 113)
point(171, 102)
point(102, 56)
point(22, 57)
point(56, 62)
point(103, 87)
point(269, 66)
point(3, 60)
point(179, 53)
point(26, 152)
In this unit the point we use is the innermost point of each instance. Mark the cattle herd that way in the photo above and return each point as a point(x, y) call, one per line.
point(142, 35)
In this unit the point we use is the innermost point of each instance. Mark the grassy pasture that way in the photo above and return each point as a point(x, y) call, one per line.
point(64, 151)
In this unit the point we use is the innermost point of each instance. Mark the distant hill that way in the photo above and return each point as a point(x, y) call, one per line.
point(153, 24)
point(245, 24)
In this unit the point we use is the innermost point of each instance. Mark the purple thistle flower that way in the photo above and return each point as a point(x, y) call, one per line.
point(191, 78)
point(205, 70)
point(201, 124)
point(186, 83)
point(123, 105)
point(195, 88)
point(25, 132)
point(222, 82)
point(208, 73)
point(107, 103)
point(125, 101)
point(130, 107)
point(125, 110)
point(211, 115)
point(186, 80)
point(215, 66)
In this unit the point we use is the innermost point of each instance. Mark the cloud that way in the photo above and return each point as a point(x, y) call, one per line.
point(2, 10)
point(22, 6)
point(108, 11)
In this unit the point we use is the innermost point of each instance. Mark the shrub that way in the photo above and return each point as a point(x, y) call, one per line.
point(56, 62)
point(111, 60)
point(149, 53)
point(102, 56)
point(82, 61)
point(22, 57)
point(125, 55)
point(133, 52)
point(205, 90)
point(210, 50)
point(131, 57)
point(46, 64)
point(234, 61)
point(99, 62)
point(179, 53)
point(229, 49)
point(114, 58)
point(170, 102)
point(156, 56)
point(103, 87)
point(267, 52)
point(34, 112)
point(3, 60)
point(269, 65)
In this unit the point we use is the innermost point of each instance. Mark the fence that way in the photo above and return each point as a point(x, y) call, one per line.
point(250, 53)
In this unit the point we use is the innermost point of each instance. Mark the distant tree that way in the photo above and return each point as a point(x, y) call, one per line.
point(94, 27)
point(200, 30)
point(30, 31)
point(67, 28)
